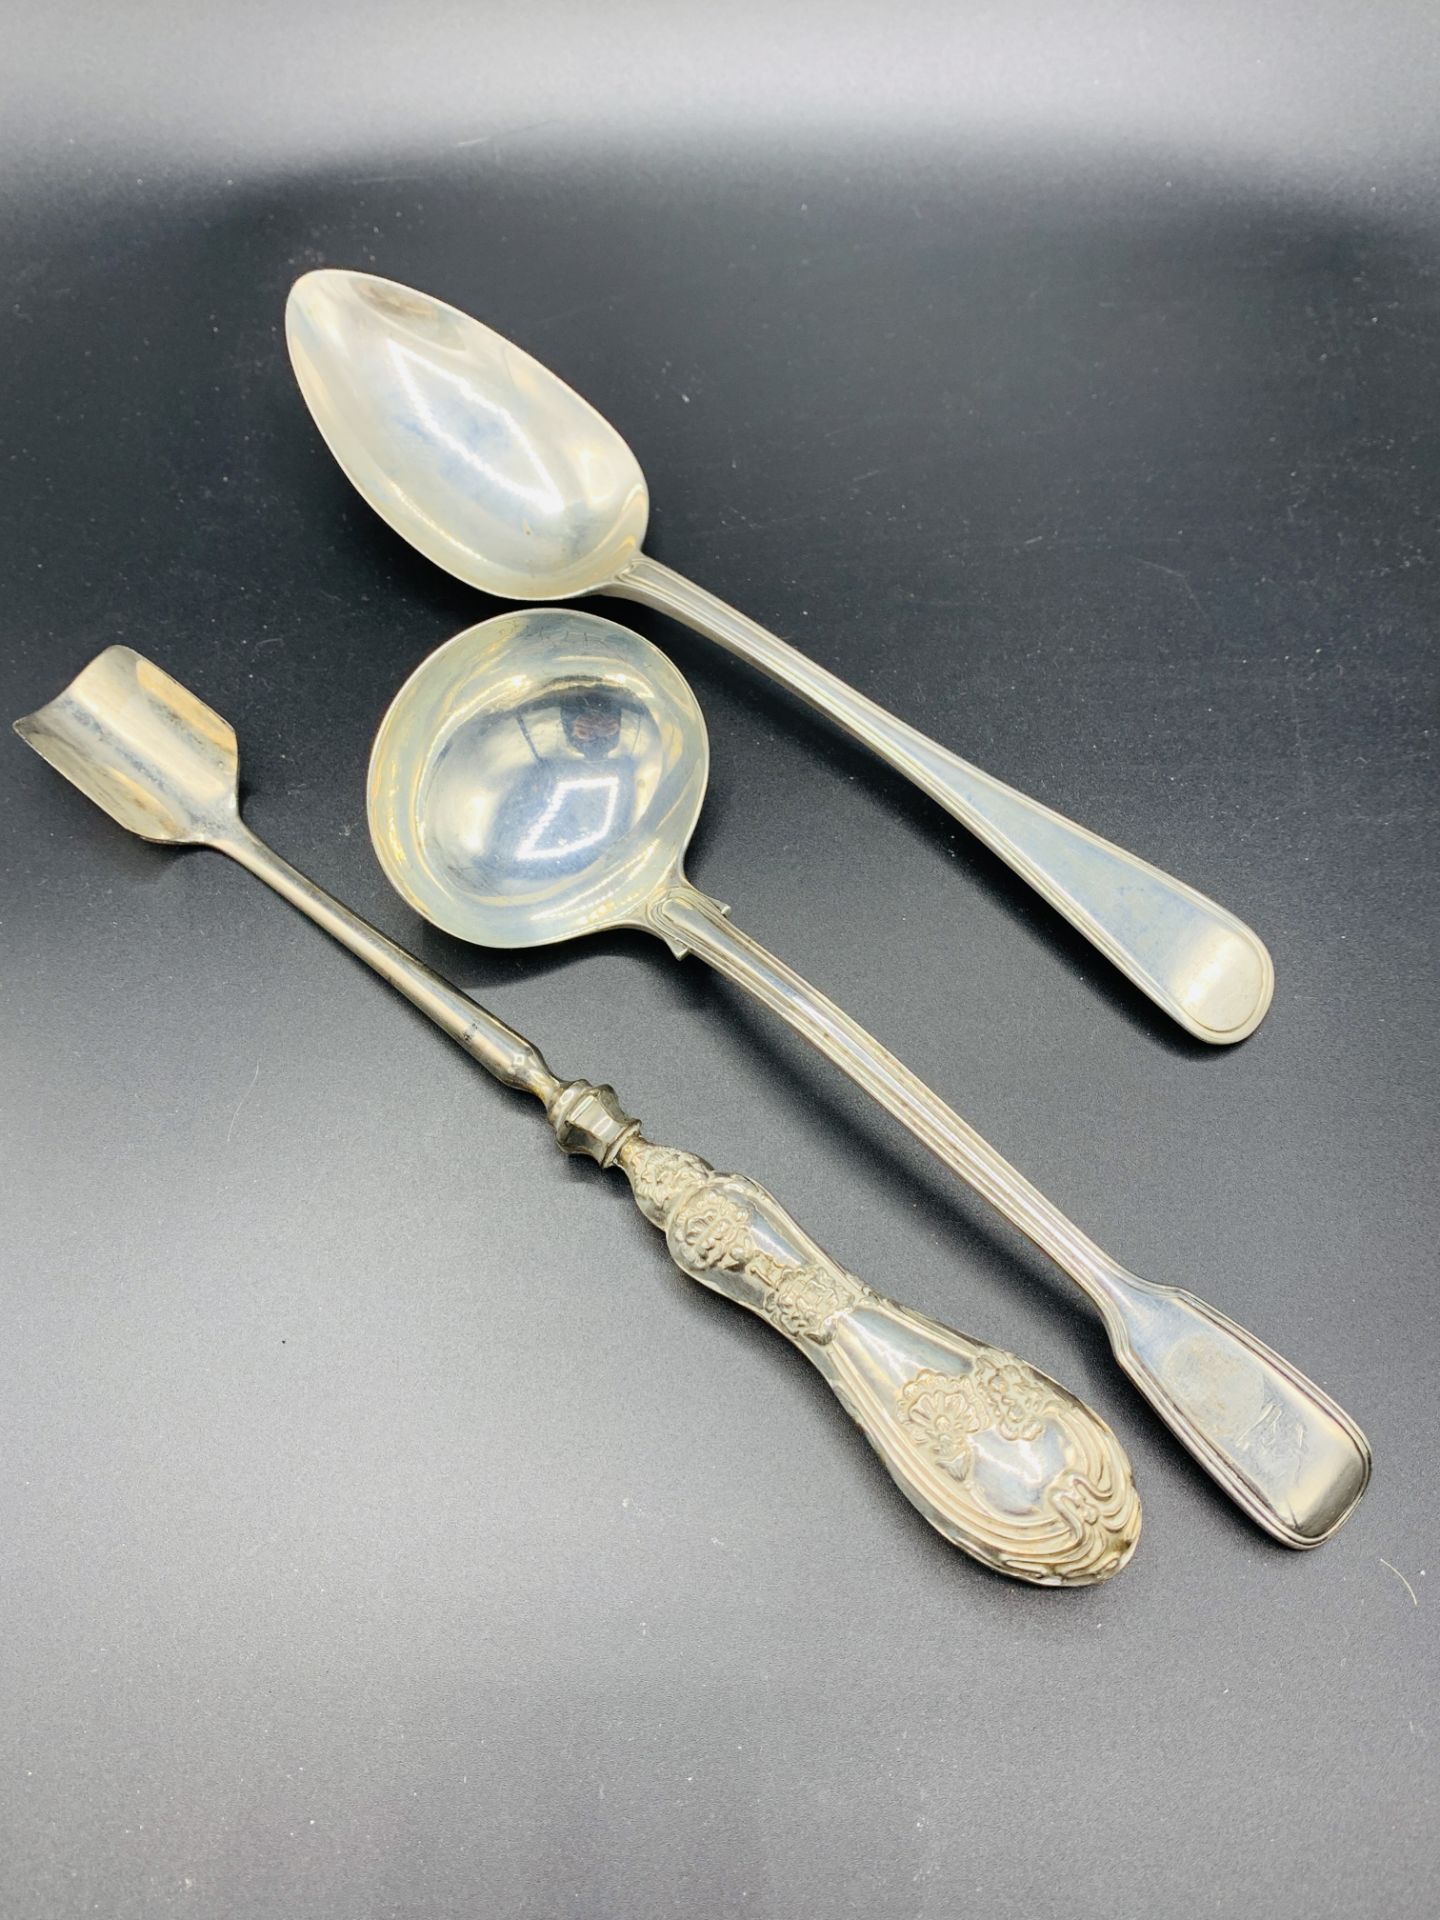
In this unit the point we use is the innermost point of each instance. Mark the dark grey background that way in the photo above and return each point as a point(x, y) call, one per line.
point(387, 1529)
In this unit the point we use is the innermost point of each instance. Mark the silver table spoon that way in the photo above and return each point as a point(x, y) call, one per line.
point(539, 777)
point(496, 470)
point(1006, 1463)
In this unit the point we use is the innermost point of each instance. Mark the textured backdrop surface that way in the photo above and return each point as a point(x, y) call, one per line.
point(388, 1529)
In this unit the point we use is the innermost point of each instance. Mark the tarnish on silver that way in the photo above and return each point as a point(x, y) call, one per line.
point(1049, 1500)
point(590, 1120)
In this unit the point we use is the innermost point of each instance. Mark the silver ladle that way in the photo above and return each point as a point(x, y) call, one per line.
point(1002, 1460)
point(500, 473)
point(539, 777)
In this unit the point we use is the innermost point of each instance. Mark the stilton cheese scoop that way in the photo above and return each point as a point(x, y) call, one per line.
point(998, 1457)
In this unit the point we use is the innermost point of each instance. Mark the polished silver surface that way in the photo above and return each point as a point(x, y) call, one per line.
point(539, 776)
point(1002, 1460)
point(500, 473)
point(535, 778)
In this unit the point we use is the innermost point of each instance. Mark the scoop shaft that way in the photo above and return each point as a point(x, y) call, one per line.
point(509, 1056)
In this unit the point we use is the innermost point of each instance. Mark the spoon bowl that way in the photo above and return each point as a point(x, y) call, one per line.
point(537, 777)
point(475, 453)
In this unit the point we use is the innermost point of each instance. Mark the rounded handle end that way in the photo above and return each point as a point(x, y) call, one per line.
point(1279, 1446)
point(1000, 1458)
point(1224, 987)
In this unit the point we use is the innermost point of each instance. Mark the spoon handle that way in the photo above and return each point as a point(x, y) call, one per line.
point(1279, 1446)
point(1207, 969)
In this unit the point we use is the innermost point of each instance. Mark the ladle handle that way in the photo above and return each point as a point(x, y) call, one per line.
point(1279, 1446)
point(1205, 967)
point(1002, 1460)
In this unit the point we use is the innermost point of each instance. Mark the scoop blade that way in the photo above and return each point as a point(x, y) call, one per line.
point(159, 761)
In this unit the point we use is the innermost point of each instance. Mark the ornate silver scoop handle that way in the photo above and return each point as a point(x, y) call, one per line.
point(1001, 1459)
point(1205, 967)
point(1280, 1447)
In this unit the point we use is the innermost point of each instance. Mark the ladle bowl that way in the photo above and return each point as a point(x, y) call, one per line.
point(537, 777)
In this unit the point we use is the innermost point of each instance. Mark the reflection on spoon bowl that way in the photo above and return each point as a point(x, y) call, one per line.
point(539, 776)
point(475, 453)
